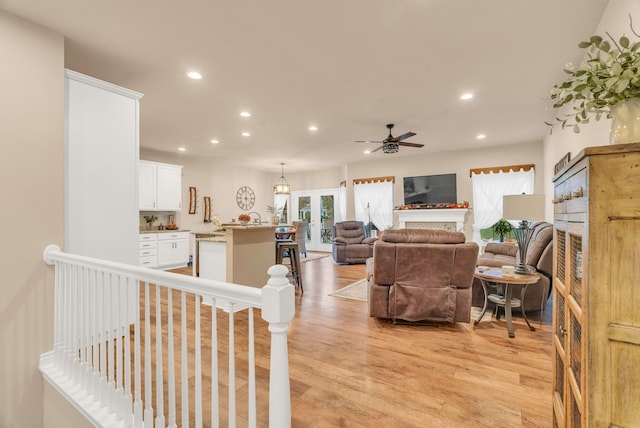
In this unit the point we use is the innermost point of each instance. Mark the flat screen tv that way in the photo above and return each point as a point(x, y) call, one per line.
point(430, 190)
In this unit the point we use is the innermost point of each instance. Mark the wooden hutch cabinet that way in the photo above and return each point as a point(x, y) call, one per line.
point(596, 289)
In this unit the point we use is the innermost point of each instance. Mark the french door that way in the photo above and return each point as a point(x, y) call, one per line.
point(318, 208)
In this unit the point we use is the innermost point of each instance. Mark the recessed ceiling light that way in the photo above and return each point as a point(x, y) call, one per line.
point(245, 114)
point(313, 128)
point(466, 96)
point(481, 136)
point(214, 141)
point(194, 75)
point(246, 134)
point(366, 152)
point(182, 149)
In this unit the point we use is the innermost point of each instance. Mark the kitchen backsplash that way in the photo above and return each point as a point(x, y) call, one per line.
point(163, 218)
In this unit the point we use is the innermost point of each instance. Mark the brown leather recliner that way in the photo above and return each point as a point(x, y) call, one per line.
point(350, 242)
point(539, 259)
point(421, 275)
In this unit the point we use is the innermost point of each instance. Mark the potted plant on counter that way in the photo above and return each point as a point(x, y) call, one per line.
point(150, 219)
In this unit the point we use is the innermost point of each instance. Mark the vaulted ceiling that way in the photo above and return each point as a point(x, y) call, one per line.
point(348, 67)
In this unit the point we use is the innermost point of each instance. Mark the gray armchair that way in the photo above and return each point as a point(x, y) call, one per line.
point(350, 242)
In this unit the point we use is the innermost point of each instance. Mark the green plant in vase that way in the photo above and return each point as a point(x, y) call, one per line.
point(606, 84)
point(502, 228)
point(150, 219)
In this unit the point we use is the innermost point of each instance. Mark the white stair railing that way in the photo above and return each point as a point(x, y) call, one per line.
point(129, 343)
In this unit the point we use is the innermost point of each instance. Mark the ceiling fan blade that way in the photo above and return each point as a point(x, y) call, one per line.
point(379, 148)
point(368, 141)
point(404, 136)
point(404, 143)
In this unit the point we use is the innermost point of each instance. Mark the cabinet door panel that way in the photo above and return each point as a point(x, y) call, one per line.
point(146, 186)
point(169, 181)
point(165, 253)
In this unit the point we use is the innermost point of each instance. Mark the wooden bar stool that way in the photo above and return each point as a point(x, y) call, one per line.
point(291, 248)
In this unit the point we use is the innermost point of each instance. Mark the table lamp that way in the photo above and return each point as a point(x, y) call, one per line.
point(526, 209)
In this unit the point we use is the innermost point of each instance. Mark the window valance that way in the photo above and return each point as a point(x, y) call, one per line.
point(497, 169)
point(374, 180)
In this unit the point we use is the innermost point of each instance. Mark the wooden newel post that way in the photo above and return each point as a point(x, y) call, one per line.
point(278, 308)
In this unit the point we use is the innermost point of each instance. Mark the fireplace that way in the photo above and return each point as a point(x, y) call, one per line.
point(450, 219)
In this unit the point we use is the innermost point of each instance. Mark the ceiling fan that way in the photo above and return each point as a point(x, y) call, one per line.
point(392, 144)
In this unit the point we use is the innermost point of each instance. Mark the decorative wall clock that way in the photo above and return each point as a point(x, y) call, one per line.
point(245, 198)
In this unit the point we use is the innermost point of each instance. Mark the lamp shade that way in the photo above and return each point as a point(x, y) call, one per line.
point(523, 207)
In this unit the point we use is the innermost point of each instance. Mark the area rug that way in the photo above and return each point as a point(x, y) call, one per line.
point(475, 313)
point(355, 291)
point(310, 256)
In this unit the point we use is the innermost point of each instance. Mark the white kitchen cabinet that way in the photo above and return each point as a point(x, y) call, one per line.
point(148, 250)
point(159, 186)
point(169, 187)
point(146, 186)
point(173, 249)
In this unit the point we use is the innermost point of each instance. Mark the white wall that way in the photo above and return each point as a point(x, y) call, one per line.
point(31, 186)
point(222, 181)
point(615, 21)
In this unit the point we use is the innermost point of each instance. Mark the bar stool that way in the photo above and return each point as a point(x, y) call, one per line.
point(291, 248)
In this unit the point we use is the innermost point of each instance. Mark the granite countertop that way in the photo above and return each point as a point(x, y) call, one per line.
point(250, 227)
point(162, 231)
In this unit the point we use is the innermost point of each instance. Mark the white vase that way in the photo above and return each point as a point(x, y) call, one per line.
point(625, 126)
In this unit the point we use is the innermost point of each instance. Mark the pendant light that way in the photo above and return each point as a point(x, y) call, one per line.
point(282, 187)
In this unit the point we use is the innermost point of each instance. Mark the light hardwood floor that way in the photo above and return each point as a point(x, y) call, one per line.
point(350, 370)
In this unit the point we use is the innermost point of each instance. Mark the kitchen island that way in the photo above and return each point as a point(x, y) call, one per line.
point(239, 254)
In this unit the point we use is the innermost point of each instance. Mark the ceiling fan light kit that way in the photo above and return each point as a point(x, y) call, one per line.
point(392, 144)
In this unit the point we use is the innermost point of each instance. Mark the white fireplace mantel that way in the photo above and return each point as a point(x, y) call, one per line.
point(450, 218)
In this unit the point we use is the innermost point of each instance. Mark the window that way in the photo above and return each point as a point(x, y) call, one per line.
point(373, 200)
point(489, 186)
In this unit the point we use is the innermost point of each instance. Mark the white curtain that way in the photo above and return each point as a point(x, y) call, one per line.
point(488, 190)
point(342, 204)
point(280, 202)
point(375, 201)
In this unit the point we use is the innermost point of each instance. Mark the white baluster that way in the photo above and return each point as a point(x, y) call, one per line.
point(170, 362)
point(232, 368)
point(103, 339)
point(184, 362)
point(111, 350)
point(126, 397)
point(95, 334)
point(159, 366)
point(73, 348)
point(119, 360)
point(252, 373)
point(148, 409)
point(137, 369)
point(215, 412)
point(198, 365)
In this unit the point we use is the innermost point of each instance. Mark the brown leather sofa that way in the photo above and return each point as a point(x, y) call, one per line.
point(539, 259)
point(350, 242)
point(421, 275)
